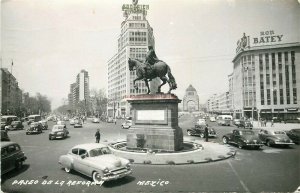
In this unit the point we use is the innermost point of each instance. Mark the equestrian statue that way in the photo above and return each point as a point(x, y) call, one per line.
point(151, 68)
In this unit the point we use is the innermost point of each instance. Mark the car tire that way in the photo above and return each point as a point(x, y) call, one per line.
point(19, 165)
point(68, 170)
point(97, 178)
point(269, 144)
point(202, 135)
point(225, 140)
point(189, 133)
point(27, 133)
point(240, 146)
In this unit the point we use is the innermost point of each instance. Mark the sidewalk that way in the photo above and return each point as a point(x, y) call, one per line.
point(277, 126)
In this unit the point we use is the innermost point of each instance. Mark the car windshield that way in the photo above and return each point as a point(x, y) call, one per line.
point(279, 132)
point(57, 128)
point(15, 122)
point(99, 151)
point(34, 124)
point(246, 133)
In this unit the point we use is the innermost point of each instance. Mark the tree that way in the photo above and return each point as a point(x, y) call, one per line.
point(98, 102)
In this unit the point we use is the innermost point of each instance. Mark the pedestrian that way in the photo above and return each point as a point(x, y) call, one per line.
point(272, 123)
point(206, 132)
point(115, 121)
point(97, 135)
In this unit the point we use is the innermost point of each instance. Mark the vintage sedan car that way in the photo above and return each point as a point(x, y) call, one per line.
point(34, 128)
point(12, 157)
point(243, 138)
point(15, 125)
point(96, 161)
point(44, 124)
point(236, 122)
point(273, 138)
point(201, 122)
point(244, 124)
point(110, 120)
point(96, 120)
point(58, 131)
point(294, 134)
point(127, 124)
point(212, 119)
point(61, 123)
point(72, 121)
point(200, 131)
point(77, 123)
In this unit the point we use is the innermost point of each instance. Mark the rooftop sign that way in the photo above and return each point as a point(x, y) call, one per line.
point(134, 8)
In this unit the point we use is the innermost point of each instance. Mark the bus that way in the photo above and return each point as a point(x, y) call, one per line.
point(34, 118)
point(8, 119)
point(224, 120)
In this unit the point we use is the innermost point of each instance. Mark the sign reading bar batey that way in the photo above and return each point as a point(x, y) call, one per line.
point(267, 37)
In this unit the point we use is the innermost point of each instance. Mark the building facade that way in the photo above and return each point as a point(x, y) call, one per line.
point(266, 77)
point(191, 100)
point(79, 93)
point(11, 94)
point(136, 35)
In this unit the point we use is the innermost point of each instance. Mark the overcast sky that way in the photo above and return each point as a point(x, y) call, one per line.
point(50, 41)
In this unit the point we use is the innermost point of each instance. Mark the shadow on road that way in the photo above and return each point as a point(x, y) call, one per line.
point(119, 182)
point(14, 173)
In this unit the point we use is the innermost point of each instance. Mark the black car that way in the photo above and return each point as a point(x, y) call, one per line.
point(244, 124)
point(243, 138)
point(200, 131)
point(294, 134)
point(12, 157)
point(34, 128)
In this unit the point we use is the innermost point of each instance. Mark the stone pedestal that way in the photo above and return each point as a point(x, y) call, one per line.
point(155, 123)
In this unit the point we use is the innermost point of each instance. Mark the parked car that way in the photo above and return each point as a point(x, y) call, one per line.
point(273, 138)
point(44, 124)
point(77, 123)
point(212, 119)
point(96, 120)
point(127, 124)
point(12, 157)
point(246, 124)
point(96, 161)
point(4, 136)
point(34, 128)
point(236, 122)
point(200, 131)
point(294, 135)
point(66, 119)
point(15, 125)
point(58, 131)
point(72, 122)
point(243, 138)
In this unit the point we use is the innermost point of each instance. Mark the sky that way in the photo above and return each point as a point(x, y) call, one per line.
point(50, 41)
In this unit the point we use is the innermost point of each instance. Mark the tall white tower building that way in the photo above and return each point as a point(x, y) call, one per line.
point(136, 35)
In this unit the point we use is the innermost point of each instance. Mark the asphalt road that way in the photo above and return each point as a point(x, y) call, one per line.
point(265, 170)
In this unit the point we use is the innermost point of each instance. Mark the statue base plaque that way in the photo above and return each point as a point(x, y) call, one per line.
point(155, 123)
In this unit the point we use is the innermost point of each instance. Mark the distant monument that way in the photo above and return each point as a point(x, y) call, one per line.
point(191, 100)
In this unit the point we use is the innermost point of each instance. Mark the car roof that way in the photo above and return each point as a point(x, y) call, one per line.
point(89, 146)
point(7, 143)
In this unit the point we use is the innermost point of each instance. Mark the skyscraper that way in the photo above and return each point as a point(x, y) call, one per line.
point(136, 35)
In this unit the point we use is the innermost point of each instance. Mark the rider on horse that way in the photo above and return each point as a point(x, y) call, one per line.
point(151, 59)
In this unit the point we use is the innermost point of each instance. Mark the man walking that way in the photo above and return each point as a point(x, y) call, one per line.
point(206, 132)
point(97, 135)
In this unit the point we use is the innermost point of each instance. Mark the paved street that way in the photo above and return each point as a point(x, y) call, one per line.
point(269, 169)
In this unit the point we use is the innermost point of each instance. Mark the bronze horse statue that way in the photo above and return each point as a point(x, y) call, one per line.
point(159, 69)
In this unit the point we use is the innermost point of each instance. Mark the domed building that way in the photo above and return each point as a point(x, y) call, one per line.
point(191, 100)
